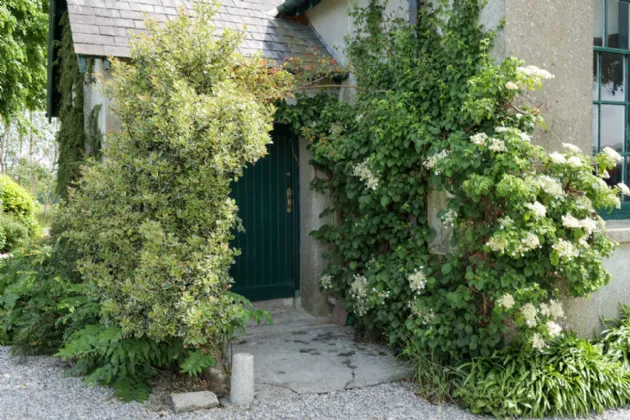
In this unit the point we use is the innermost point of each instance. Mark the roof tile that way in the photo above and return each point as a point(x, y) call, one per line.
point(101, 27)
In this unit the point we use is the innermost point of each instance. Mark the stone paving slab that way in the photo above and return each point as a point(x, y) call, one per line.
point(316, 358)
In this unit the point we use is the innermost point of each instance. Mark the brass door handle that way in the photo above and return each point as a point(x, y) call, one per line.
point(289, 200)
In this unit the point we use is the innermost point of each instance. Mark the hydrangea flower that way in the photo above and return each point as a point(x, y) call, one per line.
point(497, 244)
point(550, 185)
point(497, 146)
point(537, 208)
point(574, 162)
point(555, 308)
point(623, 188)
point(557, 158)
point(529, 313)
point(511, 86)
point(566, 250)
point(571, 147)
point(589, 225)
point(417, 281)
point(553, 328)
point(433, 160)
point(362, 170)
point(479, 139)
point(501, 129)
point(569, 221)
point(449, 217)
point(612, 154)
point(359, 291)
point(533, 71)
point(326, 281)
point(538, 342)
point(507, 301)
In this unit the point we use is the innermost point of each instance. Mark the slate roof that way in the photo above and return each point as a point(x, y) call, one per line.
point(101, 27)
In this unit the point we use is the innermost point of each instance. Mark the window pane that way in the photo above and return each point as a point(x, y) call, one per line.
point(617, 24)
point(599, 23)
point(595, 77)
point(612, 127)
point(613, 78)
point(595, 129)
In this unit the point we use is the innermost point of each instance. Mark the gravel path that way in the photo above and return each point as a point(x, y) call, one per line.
point(36, 388)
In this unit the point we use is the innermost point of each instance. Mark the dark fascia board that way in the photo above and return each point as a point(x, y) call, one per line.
point(296, 7)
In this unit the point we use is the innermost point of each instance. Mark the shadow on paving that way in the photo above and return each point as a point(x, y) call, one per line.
point(302, 354)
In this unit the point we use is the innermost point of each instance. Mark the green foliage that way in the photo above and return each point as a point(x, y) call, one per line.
point(15, 234)
point(30, 290)
point(615, 340)
point(18, 204)
point(23, 30)
point(569, 378)
point(433, 113)
point(71, 134)
point(151, 248)
point(125, 364)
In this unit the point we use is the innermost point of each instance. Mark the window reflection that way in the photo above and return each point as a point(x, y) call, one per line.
point(612, 126)
point(618, 24)
point(613, 77)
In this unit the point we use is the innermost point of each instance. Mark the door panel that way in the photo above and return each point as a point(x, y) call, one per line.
point(267, 197)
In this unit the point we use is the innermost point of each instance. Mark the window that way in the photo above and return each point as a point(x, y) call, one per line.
point(611, 100)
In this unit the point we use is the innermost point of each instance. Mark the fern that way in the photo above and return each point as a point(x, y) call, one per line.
point(197, 362)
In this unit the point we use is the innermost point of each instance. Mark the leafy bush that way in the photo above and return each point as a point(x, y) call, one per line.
point(570, 377)
point(15, 233)
point(18, 203)
point(30, 292)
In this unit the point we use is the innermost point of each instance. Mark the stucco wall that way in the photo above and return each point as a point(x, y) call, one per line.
point(93, 96)
point(312, 204)
point(557, 36)
point(583, 314)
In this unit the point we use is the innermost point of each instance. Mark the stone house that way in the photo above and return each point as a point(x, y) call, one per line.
point(585, 44)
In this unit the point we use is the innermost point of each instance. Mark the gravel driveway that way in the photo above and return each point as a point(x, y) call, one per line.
point(35, 388)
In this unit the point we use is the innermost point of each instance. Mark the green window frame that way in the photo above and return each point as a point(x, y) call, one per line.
point(611, 93)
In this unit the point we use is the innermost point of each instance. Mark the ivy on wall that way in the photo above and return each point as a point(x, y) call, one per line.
point(71, 135)
point(433, 112)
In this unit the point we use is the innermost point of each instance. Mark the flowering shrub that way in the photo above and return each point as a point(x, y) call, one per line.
point(433, 112)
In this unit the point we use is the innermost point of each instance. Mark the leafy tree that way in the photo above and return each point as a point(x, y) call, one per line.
point(23, 29)
point(153, 221)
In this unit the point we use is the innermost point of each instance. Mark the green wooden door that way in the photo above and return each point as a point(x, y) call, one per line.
point(267, 197)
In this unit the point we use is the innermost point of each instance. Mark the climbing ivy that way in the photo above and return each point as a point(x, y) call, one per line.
point(71, 134)
point(432, 112)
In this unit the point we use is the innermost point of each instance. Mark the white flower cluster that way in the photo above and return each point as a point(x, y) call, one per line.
point(362, 170)
point(550, 186)
point(584, 203)
point(326, 281)
point(557, 158)
point(566, 250)
point(537, 208)
point(433, 160)
point(588, 224)
point(450, 217)
point(511, 86)
point(553, 328)
point(497, 146)
point(571, 147)
point(529, 242)
point(427, 317)
point(479, 139)
point(623, 188)
point(612, 154)
point(505, 222)
point(552, 308)
point(534, 72)
point(538, 342)
point(417, 280)
point(497, 244)
point(507, 301)
point(529, 313)
point(359, 291)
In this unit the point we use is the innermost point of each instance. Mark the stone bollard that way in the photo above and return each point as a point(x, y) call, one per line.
point(242, 384)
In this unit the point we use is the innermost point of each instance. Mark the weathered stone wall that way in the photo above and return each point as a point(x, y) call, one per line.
point(93, 96)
